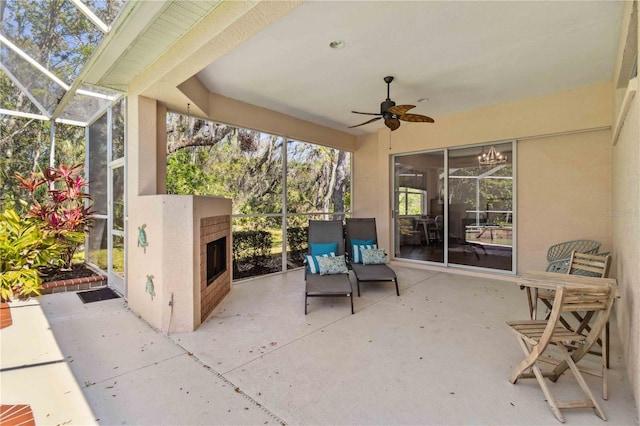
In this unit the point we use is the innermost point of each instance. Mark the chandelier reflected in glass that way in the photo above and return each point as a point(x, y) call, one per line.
point(491, 158)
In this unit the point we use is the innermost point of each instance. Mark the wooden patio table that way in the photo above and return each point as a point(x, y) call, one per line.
point(533, 280)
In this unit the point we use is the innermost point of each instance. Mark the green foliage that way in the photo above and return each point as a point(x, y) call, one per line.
point(25, 248)
point(25, 148)
point(297, 240)
point(494, 194)
point(62, 211)
point(61, 38)
point(251, 245)
point(247, 167)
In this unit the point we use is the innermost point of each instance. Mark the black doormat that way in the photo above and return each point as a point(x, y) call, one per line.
point(103, 293)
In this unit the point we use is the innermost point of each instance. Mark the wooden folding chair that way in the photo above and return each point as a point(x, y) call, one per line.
point(589, 265)
point(536, 336)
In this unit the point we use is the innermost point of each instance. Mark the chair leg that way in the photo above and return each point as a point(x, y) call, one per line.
point(351, 295)
point(605, 362)
point(529, 301)
point(397, 289)
point(305, 303)
point(530, 362)
point(606, 343)
point(358, 284)
point(581, 382)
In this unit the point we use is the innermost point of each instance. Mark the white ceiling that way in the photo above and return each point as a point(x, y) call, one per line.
point(459, 55)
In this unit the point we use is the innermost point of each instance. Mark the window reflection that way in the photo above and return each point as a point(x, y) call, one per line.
point(419, 188)
point(478, 229)
point(481, 206)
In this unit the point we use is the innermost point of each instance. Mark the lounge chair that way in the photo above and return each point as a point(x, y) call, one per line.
point(319, 283)
point(364, 230)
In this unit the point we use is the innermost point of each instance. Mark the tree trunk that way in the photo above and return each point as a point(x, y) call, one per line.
point(340, 188)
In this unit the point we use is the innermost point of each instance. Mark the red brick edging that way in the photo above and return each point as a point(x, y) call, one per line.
point(16, 415)
point(5, 316)
point(74, 284)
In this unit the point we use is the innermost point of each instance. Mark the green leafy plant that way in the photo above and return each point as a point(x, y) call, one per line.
point(297, 239)
point(62, 209)
point(251, 246)
point(24, 248)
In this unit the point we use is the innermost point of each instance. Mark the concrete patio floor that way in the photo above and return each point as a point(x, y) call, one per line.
point(440, 353)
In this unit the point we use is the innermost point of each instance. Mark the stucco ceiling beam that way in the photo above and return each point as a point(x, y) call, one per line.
point(221, 31)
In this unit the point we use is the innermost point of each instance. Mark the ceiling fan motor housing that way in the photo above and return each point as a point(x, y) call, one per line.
point(384, 106)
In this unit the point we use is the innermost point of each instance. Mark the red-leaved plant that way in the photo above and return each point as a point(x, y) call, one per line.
point(62, 209)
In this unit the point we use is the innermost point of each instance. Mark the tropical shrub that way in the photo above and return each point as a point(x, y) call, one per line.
point(251, 247)
point(24, 248)
point(58, 202)
point(297, 240)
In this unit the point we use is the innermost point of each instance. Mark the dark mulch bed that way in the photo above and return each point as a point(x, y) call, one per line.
point(248, 268)
point(78, 270)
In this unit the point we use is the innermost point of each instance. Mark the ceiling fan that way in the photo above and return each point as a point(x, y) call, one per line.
point(393, 113)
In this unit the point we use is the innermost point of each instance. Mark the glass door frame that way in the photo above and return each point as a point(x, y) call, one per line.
point(116, 280)
point(113, 279)
point(446, 264)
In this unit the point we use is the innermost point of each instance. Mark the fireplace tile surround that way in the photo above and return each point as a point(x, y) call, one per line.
point(212, 229)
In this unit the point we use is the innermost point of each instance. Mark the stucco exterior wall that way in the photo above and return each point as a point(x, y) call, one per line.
point(563, 193)
point(625, 215)
point(563, 165)
point(625, 201)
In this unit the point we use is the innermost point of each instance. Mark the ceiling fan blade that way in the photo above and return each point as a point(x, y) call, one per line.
point(366, 122)
point(416, 118)
point(392, 123)
point(400, 109)
point(366, 113)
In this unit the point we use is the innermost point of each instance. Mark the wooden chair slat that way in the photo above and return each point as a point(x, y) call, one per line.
point(536, 335)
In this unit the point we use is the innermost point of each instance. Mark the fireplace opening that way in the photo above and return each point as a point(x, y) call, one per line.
point(216, 259)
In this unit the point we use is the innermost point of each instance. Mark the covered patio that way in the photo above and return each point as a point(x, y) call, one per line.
point(440, 353)
point(560, 93)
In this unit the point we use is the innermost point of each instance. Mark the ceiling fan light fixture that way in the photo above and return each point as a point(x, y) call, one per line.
point(393, 113)
point(337, 44)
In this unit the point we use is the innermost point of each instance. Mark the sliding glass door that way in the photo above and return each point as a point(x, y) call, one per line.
point(419, 206)
point(481, 206)
point(455, 206)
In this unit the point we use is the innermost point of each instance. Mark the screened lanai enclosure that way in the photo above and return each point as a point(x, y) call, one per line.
point(50, 117)
point(453, 207)
point(276, 183)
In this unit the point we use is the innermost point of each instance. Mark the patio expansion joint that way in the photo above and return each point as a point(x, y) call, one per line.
point(233, 386)
point(125, 373)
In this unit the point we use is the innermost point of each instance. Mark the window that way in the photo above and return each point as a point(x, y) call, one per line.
point(411, 202)
point(272, 204)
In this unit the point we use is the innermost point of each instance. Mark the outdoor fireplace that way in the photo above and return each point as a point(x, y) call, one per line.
point(216, 259)
point(215, 269)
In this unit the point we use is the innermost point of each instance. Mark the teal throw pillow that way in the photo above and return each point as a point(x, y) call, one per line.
point(332, 265)
point(354, 253)
point(318, 249)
